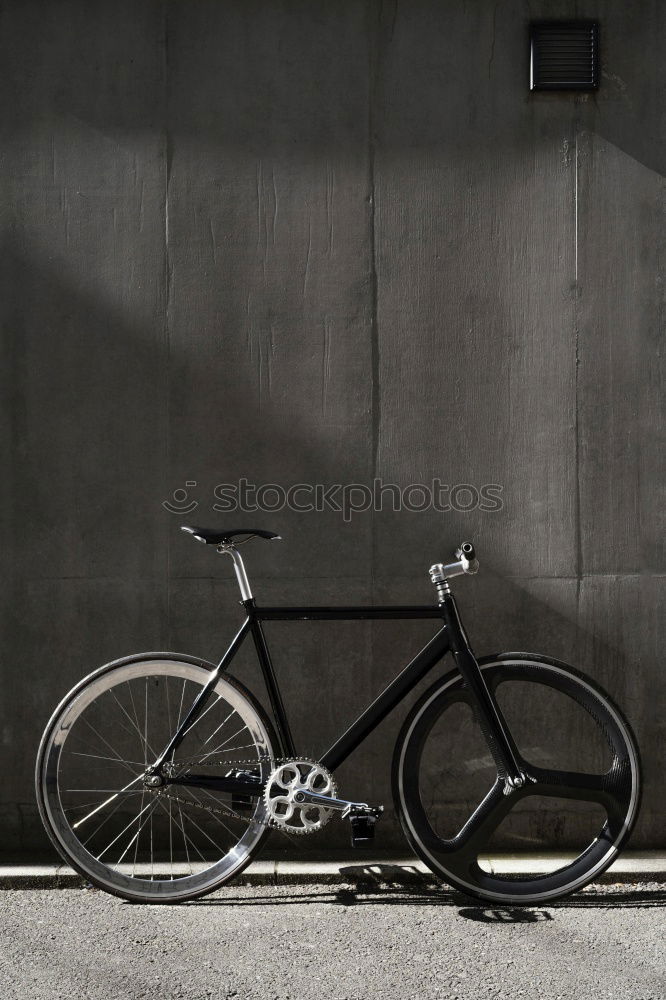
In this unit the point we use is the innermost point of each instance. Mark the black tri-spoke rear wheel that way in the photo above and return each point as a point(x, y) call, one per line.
point(146, 844)
point(552, 836)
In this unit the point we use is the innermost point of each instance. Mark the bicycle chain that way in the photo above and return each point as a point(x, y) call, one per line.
point(221, 810)
point(216, 810)
point(237, 763)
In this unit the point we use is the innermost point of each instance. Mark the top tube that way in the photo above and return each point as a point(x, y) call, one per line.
point(356, 612)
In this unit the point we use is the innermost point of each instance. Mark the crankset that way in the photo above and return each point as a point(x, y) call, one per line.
point(300, 797)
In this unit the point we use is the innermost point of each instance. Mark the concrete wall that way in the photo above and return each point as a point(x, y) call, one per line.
point(324, 243)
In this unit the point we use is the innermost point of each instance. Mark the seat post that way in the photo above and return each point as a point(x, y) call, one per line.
point(241, 575)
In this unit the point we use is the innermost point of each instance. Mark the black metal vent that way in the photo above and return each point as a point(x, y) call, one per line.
point(564, 55)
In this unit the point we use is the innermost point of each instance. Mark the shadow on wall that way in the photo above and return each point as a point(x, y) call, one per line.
point(87, 541)
point(87, 579)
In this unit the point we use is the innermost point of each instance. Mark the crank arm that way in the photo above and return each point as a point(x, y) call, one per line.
point(341, 805)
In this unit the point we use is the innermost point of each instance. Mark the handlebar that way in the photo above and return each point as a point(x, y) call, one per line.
point(466, 562)
point(466, 550)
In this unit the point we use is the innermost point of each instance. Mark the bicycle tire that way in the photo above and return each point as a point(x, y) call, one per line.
point(51, 770)
point(456, 858)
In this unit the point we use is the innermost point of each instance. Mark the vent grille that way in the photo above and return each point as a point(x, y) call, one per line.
point(564, 55)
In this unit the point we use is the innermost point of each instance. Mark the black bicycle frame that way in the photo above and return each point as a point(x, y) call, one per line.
point(450, 637)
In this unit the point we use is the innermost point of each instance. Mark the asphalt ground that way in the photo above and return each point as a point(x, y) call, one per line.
point(390, 937)
point(30, 872)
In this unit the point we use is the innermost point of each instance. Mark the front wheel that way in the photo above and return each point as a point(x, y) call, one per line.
point(575, 810)
point(146, 844)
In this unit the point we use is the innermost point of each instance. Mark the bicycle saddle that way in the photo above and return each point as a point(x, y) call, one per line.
point(213, 536)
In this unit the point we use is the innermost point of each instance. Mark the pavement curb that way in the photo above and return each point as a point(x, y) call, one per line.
point(631, 867)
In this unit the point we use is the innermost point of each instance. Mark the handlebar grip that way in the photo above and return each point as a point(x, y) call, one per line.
point(467, 550)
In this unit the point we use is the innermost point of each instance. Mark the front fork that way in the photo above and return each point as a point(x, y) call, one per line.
point(493, 724)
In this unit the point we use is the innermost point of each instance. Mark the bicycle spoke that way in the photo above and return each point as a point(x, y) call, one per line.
point(135, 839)
point(170, 840)
point(185, 837)
point(112, 749)
point(106, 802)
point(121, 726)
point(197, 760)
point(124, 830)
point(136, 719)
point(218, 748)
point(136, 845)
point(145, 730)
point(87, 805)
point(85, 742)
point(100, 825)
point(485, 819)
point(96, 756)
point(180, 707)
point(168, 702)
point(194, 823)
point(182, 830)
point(200, 717)
point(205, 742)
point(605, 789)
point(244, 746)
point(103, 791)
point(132, 723)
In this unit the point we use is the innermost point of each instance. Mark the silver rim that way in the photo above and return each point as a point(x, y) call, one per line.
point(601, 866)
point(130, 840)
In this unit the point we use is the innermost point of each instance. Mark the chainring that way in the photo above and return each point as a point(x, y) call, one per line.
point(285, 782)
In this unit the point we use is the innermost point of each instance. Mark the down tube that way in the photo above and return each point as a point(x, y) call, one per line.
point(387, 700)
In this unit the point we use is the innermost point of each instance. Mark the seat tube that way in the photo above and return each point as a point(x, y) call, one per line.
point(277, 705)
point(492, 722)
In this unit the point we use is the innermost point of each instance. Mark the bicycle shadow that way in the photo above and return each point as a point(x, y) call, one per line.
point(400, 885)
point(400, 879)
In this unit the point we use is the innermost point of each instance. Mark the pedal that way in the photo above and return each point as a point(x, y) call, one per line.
point(362, 824)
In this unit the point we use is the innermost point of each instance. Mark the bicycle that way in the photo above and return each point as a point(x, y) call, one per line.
point(159, 775)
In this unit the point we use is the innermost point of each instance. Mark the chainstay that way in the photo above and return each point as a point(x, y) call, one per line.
point(221, 810)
